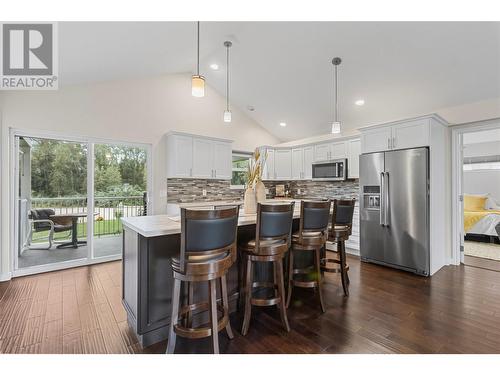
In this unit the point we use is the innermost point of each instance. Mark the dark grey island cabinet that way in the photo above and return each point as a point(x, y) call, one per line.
point(149, 244)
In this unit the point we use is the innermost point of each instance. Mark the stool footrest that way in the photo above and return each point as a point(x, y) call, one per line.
point(265, 301)
point(305, 284)
point(201, 332)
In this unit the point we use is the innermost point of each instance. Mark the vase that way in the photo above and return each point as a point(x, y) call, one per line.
point(260, 192)
point(249, 202)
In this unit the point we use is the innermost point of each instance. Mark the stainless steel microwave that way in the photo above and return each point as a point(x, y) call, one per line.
point(330, 170)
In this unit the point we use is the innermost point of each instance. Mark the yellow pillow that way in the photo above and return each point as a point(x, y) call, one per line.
point(474, 202)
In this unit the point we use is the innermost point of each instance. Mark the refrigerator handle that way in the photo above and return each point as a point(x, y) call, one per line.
point(387, 201)
point(382, 199)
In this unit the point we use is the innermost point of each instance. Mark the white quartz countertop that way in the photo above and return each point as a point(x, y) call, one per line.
point(162, 225)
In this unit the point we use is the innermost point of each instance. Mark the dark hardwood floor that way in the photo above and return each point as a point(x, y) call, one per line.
point(388, 311)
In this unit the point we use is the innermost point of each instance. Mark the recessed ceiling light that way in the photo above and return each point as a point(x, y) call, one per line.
point(214, 66)
point(283, 124)
point(359, 102)
point(251, 108)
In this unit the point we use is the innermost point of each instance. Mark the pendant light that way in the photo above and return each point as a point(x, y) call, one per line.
point(227, 112)
point(198, 81)
point(336, 127)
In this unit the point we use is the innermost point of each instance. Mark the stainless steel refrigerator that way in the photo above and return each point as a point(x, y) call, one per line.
point(394, 209)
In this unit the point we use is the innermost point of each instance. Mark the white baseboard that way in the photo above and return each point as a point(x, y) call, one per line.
point(5, 276)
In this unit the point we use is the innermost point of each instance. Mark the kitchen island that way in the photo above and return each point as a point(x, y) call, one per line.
point(149, 244)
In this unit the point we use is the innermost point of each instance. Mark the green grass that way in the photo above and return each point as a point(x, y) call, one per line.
point(101, 228)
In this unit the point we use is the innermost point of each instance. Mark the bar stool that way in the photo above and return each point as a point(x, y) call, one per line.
point(312, 236)
point(208, 250)
point(339, 232)
point(272, 240)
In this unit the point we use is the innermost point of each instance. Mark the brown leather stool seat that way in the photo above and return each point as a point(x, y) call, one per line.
point(208, 250)
point(272, 240)
point(311, 237)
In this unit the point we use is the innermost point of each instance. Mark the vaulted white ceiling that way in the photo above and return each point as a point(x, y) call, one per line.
point(284, 70)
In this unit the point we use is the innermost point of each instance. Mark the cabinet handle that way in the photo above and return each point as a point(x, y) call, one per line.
point(388, 143)
point(190, 172)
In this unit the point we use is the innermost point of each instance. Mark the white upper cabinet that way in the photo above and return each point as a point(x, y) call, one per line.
point(297, 163)
point(203, 158)
point(268, 172)
point(282, 164)
point(191, 156)
point(375, 140)
point(329, 151)
point(222, 160)
point(322, 152)
point(411, 134)
point(338, 150)
point(354, 149)
point(308, 160)
point(401, 135)
point(179, 156)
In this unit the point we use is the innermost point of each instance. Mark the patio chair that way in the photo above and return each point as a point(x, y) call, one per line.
point(40, 221)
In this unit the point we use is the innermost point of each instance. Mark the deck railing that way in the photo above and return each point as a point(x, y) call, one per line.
point(108, 210)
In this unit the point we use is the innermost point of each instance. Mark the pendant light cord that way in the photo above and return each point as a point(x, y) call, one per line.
point(227, 78)
point(198, 50)
point(336, 95)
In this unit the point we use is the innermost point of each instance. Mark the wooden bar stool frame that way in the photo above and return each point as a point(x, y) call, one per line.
point(198, 266)
point(313, 240)
point(266, 249)
point(339, 233)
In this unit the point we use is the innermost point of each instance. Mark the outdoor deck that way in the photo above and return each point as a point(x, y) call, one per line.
point(103, 246)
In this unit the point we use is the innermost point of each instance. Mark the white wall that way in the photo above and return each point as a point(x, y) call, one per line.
point(134, 111)
point(482, 182)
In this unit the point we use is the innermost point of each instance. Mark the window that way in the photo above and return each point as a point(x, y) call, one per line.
point(241, 161)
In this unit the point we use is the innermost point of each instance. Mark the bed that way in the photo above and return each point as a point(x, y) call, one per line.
point(481, 215)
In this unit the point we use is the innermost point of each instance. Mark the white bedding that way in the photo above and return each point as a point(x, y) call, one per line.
point(486, 225)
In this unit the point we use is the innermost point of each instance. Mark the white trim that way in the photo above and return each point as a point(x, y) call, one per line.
point(433, 116)
point(457, 131)
point(5, 276)
point(14, 132)
point(64, 265)
point(90, 200)
point(173, 132)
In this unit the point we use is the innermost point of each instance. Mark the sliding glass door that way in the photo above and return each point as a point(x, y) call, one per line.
point(70, 197)
point(51, 201)
point(120, 190)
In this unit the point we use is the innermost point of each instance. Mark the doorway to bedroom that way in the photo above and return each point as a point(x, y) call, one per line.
point(480, 197)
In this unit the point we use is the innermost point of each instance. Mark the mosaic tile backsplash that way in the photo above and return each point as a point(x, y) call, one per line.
point(191, 190)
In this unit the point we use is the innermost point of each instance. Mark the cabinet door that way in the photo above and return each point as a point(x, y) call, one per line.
point(268, 173)
point(297, 163)
point(376, 140)
point(338, 150)
point(353, 162)
point(411, 134)
point(308, 160)
point(222, 160)
point(283, 164)
point(203, 159)
point(179, 156)
point(322, 152)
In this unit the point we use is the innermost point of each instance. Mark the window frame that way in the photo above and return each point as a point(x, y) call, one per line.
point(235, 169)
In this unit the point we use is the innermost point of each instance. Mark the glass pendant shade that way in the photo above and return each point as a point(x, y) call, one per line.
point(335, 127)
point(198, 86)
point(227, 116)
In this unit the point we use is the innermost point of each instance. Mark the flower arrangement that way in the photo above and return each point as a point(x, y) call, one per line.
point(255, 168)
